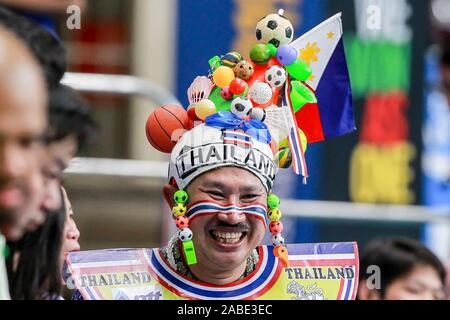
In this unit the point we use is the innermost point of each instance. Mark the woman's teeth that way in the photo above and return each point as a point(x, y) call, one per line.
point(227, 237)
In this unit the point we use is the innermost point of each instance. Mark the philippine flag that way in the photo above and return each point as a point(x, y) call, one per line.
point(323, 49)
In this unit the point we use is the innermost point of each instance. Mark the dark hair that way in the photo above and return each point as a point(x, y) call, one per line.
point(69, 114)
point(445, 54)
point(397, 257)
point(47, 49)
point(37, 274)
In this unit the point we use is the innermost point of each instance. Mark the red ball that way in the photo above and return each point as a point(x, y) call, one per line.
point(237, 86)
point(276, 227)
point(226, 93)
point(163, 126)
point(182, 222)
point(191, 114)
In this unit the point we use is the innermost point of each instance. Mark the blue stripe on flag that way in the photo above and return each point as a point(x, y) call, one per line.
point(334, 96)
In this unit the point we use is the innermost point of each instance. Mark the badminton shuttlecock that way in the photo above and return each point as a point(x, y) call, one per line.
point(199, 89)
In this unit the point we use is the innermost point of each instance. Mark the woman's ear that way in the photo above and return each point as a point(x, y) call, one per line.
point(168, 192)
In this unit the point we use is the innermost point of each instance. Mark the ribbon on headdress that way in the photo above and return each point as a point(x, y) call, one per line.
point(228, 120)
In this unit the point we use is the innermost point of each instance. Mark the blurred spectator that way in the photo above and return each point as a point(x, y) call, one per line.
point(70, 123)
point(408, 271)
point(22, 122)
point(71, 234)
point(70, 128)
point(34, 265)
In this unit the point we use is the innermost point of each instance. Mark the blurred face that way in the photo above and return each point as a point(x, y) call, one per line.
point(22, 123)
point(422, 283)
point(223, 241)
point(31, 216)
point(58, 156)
point(71, 233)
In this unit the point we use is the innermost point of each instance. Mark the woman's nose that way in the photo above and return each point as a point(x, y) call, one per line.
point(73, 234)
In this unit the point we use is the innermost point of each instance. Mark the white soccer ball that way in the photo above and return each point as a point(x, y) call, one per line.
point(275, 29)
point(277, 240)
point(185, 234)
point(241, 106)
point(260, 93)
point(258, 114)
point(275, 76)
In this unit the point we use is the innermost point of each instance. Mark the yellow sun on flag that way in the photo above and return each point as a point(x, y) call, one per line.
point(309, 53)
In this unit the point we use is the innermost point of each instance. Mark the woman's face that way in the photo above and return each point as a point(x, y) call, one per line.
point(71, 234)
point(422, 283)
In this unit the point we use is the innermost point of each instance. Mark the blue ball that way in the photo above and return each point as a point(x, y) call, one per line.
point(286, 54)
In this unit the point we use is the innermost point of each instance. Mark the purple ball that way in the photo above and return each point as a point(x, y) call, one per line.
point(286, 54)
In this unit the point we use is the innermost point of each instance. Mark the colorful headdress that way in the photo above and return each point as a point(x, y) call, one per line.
point(240, 114)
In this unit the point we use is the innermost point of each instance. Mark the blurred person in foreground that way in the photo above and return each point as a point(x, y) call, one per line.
point(70, 129)
point(61, 146)
point(22, 124)
point(37, 259)
point(408, 271)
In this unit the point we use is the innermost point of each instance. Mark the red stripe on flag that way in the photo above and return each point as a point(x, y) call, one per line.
point(308, 119)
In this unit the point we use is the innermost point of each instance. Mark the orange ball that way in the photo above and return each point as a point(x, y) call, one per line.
point(164, 126)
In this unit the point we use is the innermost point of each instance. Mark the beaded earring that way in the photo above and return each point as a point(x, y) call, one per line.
point(184, 233)
point(276, 227)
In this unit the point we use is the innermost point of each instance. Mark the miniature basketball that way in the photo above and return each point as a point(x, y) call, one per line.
point(164, 126)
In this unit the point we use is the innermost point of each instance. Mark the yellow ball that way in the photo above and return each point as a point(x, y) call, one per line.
point(285, 143)
point(274, 214)
point(222, 76)
point(179, 209)
point(204, 108)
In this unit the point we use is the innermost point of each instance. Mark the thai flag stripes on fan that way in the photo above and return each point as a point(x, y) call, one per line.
point(298, 156)
point(205, 207)
point(236, 137)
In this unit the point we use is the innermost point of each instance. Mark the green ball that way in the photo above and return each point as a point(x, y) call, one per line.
point(272, 49)
point(283, 158)
point(273, 201)
point(260, 53)
point(181, 196)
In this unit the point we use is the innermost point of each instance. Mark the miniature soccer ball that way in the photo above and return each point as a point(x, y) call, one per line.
point(274, 214)
point(178, 209)
point(185, 234)
point(277, 240)
point(275, 76)
point(275, 29)
point(241, 107)
point(258, 114)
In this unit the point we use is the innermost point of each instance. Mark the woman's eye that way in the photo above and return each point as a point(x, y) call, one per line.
point(413, 290)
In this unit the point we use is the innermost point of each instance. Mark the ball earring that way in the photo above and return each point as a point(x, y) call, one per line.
point(182, 222)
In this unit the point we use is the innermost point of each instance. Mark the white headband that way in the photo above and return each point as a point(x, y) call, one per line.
point(205, 148)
